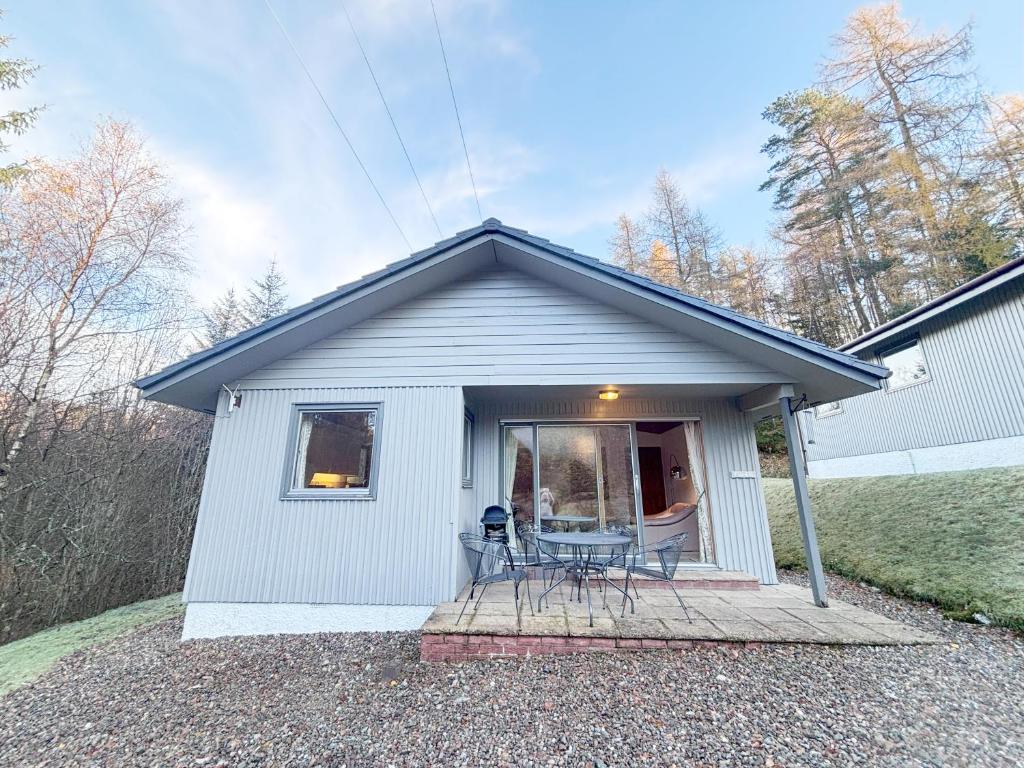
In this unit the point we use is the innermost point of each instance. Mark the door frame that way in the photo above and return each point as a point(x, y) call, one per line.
point(535, 424)
point(523, 421)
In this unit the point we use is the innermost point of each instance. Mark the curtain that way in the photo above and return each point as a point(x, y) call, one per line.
point(511, 455)
point(696, 459)
point(302, 448)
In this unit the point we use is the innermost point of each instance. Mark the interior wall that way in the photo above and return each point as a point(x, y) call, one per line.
point(673, 442)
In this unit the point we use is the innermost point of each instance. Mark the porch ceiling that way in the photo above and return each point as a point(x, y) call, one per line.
point(546, 392)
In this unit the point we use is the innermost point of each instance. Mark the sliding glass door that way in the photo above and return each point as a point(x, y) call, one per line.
point(573, 477)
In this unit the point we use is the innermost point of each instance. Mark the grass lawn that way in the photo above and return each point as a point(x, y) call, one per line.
point(955, 539)
point(24, 660)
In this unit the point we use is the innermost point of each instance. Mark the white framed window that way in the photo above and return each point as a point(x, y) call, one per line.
point(467, 450)
point(333, 451)
point(907, 364)
point(828, 409)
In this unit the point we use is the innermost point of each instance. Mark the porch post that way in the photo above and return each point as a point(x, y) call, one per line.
point(803, 502)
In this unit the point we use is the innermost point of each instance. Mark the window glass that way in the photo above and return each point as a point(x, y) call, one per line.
point(907, 364)
point(467, 450)
point(827, 409)
point(335, 450)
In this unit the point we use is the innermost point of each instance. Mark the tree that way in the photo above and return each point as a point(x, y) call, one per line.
point(14, 73)
point(746, 283)
point(828, 163)
point(690, 240)
point(1002, 157)
point(223, 319)
point(627, 245)
point(91, 251)
point(918, 89)
point(266, 297)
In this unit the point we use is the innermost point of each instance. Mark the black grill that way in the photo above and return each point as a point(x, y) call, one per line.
point(494, 521)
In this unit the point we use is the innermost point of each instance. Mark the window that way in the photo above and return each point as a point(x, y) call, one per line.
point(467, 450)
point(907, 364)
point(334, 453)
point(828, 409)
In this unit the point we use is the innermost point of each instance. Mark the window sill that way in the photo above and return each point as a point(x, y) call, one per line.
point(328, 496)
point(467, 483)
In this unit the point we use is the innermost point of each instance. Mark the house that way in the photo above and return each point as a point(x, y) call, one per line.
point(358, 434)
point(955, 399)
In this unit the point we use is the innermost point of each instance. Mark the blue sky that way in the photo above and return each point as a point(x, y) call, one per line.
point(569, 110)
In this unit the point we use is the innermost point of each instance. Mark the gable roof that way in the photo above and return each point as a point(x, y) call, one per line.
point(231, 354)
point(972, 289)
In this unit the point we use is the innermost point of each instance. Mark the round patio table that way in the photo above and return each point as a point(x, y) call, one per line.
point(584, 562)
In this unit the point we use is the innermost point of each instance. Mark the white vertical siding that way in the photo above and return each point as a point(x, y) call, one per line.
point(506, 327)
point(975, 356)
point(396, 549)
point(742, 540)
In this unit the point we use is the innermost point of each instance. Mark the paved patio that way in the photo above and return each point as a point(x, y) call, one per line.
point(721, 616)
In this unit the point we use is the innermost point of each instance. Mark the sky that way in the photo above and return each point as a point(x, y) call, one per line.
point(569, 110)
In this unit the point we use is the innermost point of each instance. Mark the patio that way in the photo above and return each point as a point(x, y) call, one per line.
point(728, 609)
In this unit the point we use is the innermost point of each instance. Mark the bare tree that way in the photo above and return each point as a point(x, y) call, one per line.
point(91, 244)
point(627, 245)
point(99, 489)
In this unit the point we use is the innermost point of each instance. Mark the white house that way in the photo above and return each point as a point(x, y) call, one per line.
point(358, 434)
point(955, 399)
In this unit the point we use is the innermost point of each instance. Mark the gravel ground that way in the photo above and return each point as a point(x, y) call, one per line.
point(354, 700)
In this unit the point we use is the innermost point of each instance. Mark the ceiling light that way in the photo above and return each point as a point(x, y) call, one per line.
point(608, 394)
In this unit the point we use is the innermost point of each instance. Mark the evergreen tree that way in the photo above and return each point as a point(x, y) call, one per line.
point(14, 73)
point(224, 319)
point(266, 297)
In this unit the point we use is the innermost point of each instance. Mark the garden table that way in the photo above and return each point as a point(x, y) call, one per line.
point(585, 561)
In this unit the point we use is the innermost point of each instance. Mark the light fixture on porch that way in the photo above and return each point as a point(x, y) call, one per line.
point(608, 394)
point(674, 470)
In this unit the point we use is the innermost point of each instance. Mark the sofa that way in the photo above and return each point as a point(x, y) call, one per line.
point(675, 519)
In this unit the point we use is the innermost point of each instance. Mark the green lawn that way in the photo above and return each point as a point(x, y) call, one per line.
point(955, 539)
point(24, 660)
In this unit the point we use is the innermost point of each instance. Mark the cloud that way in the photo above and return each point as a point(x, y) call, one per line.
point(720, 168)
point(234, 234)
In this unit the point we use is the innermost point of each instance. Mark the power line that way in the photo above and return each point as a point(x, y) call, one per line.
point(455, 104)
point(337, 124)
point(390, 116)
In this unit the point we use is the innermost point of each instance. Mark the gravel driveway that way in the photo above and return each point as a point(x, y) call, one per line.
point(365, 700)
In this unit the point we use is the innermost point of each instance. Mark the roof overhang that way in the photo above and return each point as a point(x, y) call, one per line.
point(815, 370)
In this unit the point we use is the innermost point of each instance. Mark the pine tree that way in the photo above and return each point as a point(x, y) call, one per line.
point(14, 73)
point(224, 319)
point(266, 297)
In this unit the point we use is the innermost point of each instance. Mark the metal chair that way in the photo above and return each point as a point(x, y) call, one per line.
point(609, 556)
point(667, 554)
point(545, 557)
point(490, 563)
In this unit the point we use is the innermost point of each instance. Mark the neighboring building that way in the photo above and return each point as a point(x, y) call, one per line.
point(357, 435)
point(955, 399)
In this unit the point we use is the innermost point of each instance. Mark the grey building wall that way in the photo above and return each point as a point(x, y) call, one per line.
point(740, 522)
point(506, 327)
point(396, 549)
point(975, 356)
